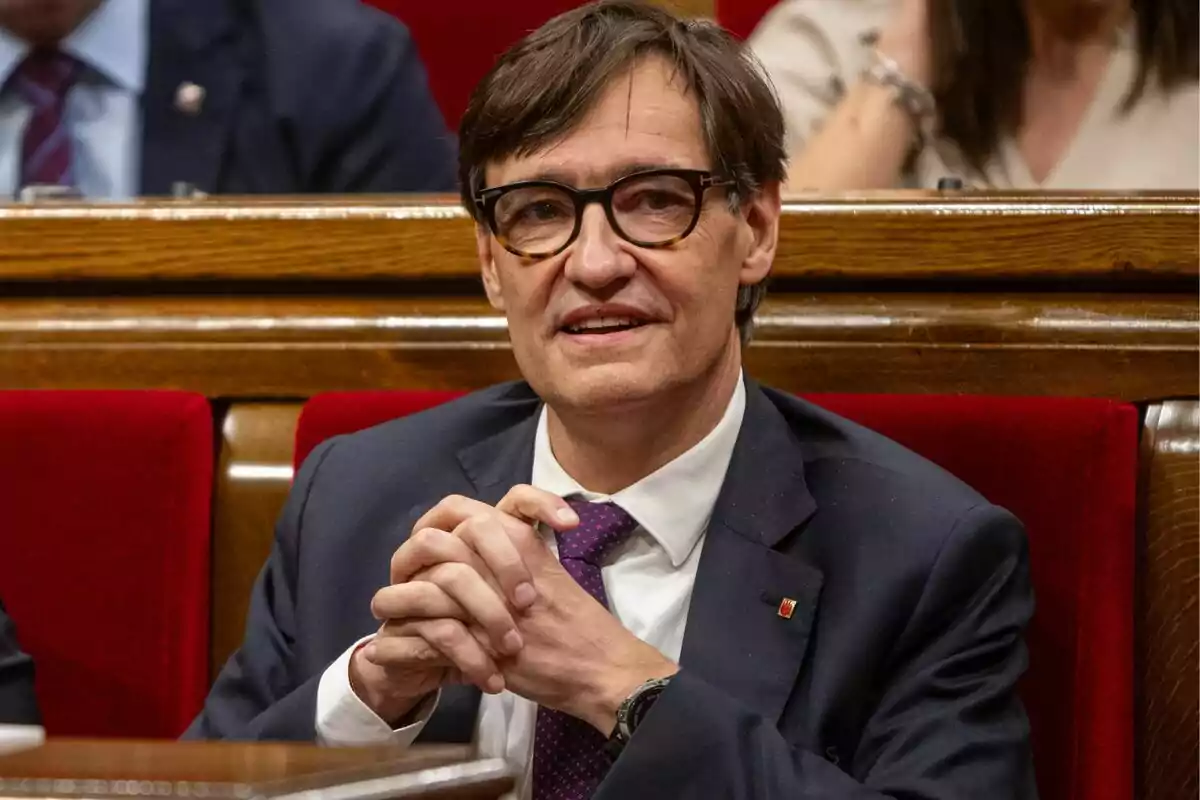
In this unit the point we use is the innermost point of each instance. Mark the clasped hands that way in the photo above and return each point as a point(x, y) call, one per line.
point(476, 596)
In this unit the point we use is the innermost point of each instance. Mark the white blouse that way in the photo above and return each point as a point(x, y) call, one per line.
point(814, 50)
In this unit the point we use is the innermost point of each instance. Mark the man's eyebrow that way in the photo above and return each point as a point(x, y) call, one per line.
point(606, 177)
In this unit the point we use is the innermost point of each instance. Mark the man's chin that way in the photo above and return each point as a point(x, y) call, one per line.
point(607, 387)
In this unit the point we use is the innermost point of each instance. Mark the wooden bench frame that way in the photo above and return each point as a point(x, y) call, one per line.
point(262, 303)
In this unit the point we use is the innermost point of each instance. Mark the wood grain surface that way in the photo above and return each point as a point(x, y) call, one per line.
point(890, 236)
point(1132, 347)
point(1169, 575)
point(94, 769)
point(254, 474)
point(221, 762)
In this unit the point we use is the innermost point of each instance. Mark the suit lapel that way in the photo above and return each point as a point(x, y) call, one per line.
point(493, 466)
point(190, 43)
point(499, 463)
point(737, 638)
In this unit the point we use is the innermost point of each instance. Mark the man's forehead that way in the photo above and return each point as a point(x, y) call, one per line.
point(645, 118)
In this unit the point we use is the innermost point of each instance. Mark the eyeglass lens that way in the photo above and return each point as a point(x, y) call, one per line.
point(647, 210)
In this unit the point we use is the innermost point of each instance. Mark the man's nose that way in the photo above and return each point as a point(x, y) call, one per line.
point(597, 259)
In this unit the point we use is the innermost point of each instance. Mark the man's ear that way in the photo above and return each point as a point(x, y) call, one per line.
point(487, 267)
point(761, 213)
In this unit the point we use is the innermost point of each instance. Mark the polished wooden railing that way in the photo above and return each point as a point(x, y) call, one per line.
point(895, 236)
point(261, 303)
point(903, 293)
point(70, 769)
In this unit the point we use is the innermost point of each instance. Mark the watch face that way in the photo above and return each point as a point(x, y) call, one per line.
point(641, 706)
point(640, 702)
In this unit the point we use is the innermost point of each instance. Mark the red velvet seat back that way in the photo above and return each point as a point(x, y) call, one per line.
point(104, 554)
point(460, 42)
point(742, 16)
point(1067, 468)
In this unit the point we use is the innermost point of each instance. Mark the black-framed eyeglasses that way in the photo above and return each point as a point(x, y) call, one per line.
point(655, 208)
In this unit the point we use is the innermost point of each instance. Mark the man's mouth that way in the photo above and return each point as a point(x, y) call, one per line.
point(602, 325)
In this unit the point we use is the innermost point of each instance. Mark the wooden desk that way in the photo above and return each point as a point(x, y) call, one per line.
point(68, 768)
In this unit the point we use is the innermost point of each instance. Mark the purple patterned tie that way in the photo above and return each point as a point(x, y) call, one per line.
point(43, 80)
point(568, 755)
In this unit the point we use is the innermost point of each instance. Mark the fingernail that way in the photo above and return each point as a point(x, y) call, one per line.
point(512, 643)
point(494, 685)
point(524, 595)
point(568, 515)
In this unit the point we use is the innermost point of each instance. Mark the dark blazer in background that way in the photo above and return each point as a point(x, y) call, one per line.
point(18, 703)
point(894, 677)
point(300, 96)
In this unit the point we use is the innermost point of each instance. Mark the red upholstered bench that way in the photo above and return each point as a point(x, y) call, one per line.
point(104, 554)
point(742, 16)
point(1067, 468)
point(461, 40)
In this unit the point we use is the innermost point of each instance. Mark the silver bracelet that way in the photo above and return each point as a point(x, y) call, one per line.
point(910, 95)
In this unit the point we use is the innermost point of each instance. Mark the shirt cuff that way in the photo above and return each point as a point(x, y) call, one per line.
point(344, 720)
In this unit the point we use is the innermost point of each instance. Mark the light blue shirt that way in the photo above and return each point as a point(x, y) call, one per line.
point(103, 110)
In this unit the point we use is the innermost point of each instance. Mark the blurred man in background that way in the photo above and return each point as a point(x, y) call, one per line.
point(119, 98)
point(18, 705)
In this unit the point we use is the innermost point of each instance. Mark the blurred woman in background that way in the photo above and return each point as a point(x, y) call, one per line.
point(1049, 94)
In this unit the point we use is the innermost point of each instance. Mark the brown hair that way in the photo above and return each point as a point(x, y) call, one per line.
point(544, 86)
point(981, 52)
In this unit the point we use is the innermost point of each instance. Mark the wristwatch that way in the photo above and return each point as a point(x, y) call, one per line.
point(631, 713)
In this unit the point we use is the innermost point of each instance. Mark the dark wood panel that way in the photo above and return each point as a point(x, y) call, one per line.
point(1169, 623)
point(254, 474)
point(1131, 347)
point(881, 237)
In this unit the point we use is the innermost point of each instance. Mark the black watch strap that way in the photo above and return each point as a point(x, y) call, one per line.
point(632, 712)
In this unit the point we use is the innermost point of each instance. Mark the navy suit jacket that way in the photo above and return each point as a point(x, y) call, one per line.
point(18, 703)
point(301, 96)
point(894, 677)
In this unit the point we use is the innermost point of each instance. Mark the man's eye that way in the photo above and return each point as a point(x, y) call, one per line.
point(544, 211)
point(655, 200)
point(660, 200)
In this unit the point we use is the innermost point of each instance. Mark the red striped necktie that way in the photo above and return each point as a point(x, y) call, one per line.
point(43, 80)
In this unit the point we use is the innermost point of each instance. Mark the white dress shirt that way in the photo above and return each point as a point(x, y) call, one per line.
point(648, 581)
point(103, 110)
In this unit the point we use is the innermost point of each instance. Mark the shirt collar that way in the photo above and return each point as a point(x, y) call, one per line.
point(113, 41)
point(674, 503)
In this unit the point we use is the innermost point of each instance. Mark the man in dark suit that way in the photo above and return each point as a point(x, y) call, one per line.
point(667, 580)
point(119, 98)
point(18, 703)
